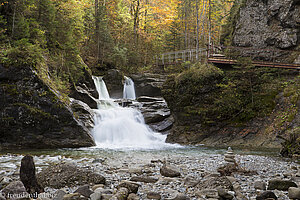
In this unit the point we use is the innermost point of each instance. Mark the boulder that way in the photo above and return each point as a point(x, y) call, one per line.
point(61, 175)
point(15, 190)
point(294, 193)
point(215, 182)
point(144, 179)
point(277, 184)
point(260, 185)
point(121, 194)
point(59, 195)
point(148, 84)
point(95, 196)
point(207, 193)
point(169, 171)
point(28, 177)
point(131, 186)
point(266, 196)
point(33, 115)
point(133, 196)
point(223, 194)
point(84, 191)
point(83, 113)
point(153, 195)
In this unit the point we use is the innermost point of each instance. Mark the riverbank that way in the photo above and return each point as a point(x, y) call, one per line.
point(197, 166)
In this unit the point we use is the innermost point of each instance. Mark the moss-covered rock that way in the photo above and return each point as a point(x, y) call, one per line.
point(32, 116)
point(235, 107)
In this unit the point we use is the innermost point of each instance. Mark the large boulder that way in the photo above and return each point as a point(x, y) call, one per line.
point(284, 185)
point(35, 116)
point(148, 84)
point(15, 190)
point(169, 171)
point(61, 175)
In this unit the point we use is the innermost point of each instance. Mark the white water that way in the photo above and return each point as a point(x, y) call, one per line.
point(101, 88)
point(128, 91)
point(122, 128)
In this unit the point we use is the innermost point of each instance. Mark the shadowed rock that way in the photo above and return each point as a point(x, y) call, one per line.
point(27, 175)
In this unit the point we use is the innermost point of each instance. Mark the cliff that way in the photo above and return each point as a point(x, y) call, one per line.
point(266, 27)
point(33, 116)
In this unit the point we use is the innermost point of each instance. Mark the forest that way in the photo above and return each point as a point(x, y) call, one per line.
point(58, 35)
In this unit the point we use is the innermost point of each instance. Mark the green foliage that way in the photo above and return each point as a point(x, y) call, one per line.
point(211, 96)
point(199, 74)
point(22, 54)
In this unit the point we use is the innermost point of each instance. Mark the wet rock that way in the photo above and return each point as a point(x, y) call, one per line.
point(144, 179)
point(224, 195)
point(131, 186)
point(5, 181)
point(61, 175)
point(294, 193)
point(59, 195)
point(84, 190)
point(95, 196)
point(266, 196)
point(28, 177)
point(153, 195)
point(169, 171)
point(83, 113)
point(133, 196)
point(215, 182)
point(260, 185)
point(277, 184)
point(121, 194)
point(15, 188)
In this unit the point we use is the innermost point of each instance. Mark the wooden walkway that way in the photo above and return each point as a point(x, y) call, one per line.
point(216, 57)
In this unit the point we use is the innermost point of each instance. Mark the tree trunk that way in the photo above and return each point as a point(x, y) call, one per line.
point(197, 33)
point(97, 35)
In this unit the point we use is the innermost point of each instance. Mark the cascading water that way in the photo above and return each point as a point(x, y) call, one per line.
point(128, 91)
point(101, 88)
point(122, 128)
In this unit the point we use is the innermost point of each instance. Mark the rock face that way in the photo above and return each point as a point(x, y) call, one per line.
point(148, 84)
point(32, 115)
point(61, 175)
point(268, 24)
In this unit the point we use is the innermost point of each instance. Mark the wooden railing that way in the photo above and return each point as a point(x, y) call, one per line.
point(216, 54)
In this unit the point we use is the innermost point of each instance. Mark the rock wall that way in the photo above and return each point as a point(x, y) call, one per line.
point(32, 115)
point(271, 24)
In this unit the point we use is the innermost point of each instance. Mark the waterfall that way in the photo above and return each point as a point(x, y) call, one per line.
point(128, 91)
point(122, 128)
point(101, 88)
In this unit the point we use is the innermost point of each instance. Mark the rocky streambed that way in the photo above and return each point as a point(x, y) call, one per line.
point(184, 173)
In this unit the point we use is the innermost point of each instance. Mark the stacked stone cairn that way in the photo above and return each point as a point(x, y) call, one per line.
point(230, 157)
